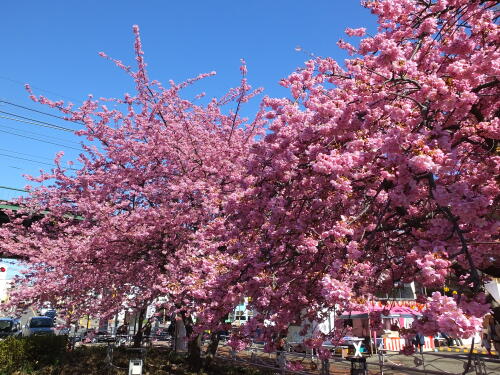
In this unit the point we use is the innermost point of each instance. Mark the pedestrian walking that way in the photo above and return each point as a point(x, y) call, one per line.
point(486, 333)
point(280, 351)
point(495, 335)
point(419, 342)
point(123, 329)
point(147, 334)
point(449, 341)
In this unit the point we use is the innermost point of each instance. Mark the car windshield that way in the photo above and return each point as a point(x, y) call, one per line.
point(5, 325)
point(41, 322)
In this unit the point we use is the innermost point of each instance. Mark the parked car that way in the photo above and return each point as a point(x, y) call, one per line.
point(51, 313)
point(9, 327)
point(103, 336)
point(297, 347)
point(39, 325)
point(75, 338)
point(161, 334)
point(63, 331)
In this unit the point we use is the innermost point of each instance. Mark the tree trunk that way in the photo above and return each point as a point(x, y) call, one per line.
point(195, 362)
point(180, 335)
point(212, 348)
point(214, 343)
point(138, 335)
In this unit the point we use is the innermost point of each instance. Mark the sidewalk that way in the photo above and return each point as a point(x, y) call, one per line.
point(430, 362)
point(446, 362)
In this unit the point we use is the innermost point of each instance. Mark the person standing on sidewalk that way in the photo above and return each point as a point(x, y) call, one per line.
point(449, 342)
point(280, 351)
point(147, 334)
point(486, 333)
point(495, 335)
point(419, 342)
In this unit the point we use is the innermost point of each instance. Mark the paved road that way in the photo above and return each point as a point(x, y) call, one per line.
point(430, 362)
point(31, 312)
point(28, 313)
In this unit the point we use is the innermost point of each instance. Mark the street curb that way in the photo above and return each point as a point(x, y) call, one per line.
point(466, 350)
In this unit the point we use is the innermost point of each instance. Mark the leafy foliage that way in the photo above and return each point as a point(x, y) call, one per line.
point(31, 353)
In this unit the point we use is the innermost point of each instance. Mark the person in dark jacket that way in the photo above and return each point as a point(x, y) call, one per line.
point(147, 333)
point(122, 330)
point(419, 342)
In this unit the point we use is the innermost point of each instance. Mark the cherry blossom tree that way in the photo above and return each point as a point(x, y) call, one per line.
point(122, 229)
point(376, 172)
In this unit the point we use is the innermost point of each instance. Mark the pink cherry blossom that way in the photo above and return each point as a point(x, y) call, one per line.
point(376, 171)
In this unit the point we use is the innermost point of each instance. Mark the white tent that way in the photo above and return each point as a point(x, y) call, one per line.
point(493, 288)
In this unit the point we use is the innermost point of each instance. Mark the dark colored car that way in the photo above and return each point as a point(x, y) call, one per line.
point(50, 313)
point(75, 338)
point(161, 335)
point(38, 326)
point(63, 331)
point(9, 327)
point(103, 336)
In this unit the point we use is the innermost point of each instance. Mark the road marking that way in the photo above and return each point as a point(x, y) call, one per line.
point(466, 350)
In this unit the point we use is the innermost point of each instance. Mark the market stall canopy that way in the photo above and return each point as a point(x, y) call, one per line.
point(493, 288)
point(393, 312)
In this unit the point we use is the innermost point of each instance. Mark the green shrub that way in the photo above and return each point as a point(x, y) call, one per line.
point(30, 353)
point(13, 355)
point(175, 357)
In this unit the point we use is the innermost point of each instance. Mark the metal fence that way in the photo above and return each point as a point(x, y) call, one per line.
point(434, 363)
point(385, 363)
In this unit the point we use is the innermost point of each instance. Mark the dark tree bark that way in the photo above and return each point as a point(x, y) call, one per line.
point(212, 348)
point(139, 334)
point(194, 359)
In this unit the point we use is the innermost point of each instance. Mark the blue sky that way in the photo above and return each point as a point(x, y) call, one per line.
point(54, 46)
point(12, 268)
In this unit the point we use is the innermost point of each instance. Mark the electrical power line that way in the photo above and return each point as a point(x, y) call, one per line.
point(26, 159)
point(33, 156)
point(22, 153)
point(40, 140)
point(37, 87)
point(11, 188)
point(33, 161)
point(31, 121)
point(45, 161)
point(37, 111)
point(24, 131)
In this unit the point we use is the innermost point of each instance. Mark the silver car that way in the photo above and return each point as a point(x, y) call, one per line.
point(38, 326)
point(9, 327)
